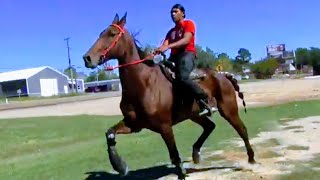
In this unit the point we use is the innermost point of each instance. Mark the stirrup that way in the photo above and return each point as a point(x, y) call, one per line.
point(206, 112)
point(206, 109)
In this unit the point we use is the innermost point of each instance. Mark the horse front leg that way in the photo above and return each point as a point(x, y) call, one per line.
point(116, 161)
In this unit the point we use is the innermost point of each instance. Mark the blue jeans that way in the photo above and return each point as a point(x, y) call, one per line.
point(184, 64)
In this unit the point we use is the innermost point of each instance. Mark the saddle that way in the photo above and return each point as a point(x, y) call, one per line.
point(167, 67)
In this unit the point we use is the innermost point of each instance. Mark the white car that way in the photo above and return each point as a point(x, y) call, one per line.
point(245, 77)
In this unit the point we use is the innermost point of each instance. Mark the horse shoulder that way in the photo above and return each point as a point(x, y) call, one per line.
point(127, 108)
point(157, 92)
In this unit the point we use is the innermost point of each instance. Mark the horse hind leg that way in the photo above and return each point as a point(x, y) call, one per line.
point(229, 111)
point(168, 137)
point(116, 161)
point(208, 126)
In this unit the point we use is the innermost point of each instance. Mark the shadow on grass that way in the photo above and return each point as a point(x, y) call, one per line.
point(149, 173)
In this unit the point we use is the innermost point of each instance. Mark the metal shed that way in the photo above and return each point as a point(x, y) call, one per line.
point(40, 81)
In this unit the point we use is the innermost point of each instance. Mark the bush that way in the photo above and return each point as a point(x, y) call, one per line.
point(264, 69)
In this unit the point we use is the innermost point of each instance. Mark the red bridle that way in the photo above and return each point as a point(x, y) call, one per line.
point(106, 51)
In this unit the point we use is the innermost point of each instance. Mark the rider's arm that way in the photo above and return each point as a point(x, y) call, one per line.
point(165, 42)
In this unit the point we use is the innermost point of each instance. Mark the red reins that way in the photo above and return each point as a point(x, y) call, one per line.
point(110, 68)
point(106, 51)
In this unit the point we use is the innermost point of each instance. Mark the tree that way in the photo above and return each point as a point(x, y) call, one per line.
point(265, 68)
point(110, 75)
point(92, 77)
point(225, 61)
point(315, 60)
point(236, 66)
point(148, 49)
point(101, 75)
point(205, 59)
point(242, 60)
point(302, 57)
point(223, 55)
point(244, 56)
point(68, 72)
point(309, 57)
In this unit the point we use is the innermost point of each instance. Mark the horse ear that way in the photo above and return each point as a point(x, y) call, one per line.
point(116, 19)
point(123, 20)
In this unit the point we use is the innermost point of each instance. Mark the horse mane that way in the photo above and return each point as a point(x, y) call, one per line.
point(142, 53)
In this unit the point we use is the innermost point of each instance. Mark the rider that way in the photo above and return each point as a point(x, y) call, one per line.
point(181, 40)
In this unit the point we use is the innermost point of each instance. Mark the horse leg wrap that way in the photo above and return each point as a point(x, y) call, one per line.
point(196, 155)
point(117, 163)
point(111, 137)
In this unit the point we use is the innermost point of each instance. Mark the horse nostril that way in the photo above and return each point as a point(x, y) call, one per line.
point(87, 58)
point(102, 57)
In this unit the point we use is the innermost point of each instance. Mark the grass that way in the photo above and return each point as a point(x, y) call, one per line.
point(270, 142)
point(249, 80)
point(69, 147)
point(309, 170)
point(295, 147)
point(269, 154)
point(31, 98)
point(292, 127)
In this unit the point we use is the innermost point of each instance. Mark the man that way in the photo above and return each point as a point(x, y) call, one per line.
point(181, 40)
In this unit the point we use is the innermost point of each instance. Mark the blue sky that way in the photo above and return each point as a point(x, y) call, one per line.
point(33, 31)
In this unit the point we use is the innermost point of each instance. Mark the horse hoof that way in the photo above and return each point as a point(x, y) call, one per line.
point(124, 171)
point(182, 175)
point(182, 172)
point(196, 157)
point(252, 161)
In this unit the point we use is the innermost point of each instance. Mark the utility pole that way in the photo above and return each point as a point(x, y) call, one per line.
point(295, 60)
point(70, 66)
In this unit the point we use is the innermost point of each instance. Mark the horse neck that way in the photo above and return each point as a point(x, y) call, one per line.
point(132, 77)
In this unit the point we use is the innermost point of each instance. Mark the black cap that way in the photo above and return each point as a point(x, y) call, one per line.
point(179, 6)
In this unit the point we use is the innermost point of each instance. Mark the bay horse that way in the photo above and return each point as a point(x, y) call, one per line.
point(149, 99)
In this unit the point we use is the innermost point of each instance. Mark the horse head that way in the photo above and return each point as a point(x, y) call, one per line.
point(109, 45)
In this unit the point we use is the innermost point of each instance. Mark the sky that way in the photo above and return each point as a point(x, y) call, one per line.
point(32, 32)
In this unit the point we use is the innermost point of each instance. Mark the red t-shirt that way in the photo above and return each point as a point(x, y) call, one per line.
point(176, 33)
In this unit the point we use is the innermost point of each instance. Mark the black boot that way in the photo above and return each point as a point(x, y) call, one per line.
point(204, 105)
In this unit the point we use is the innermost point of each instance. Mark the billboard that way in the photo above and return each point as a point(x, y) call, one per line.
point(276, 50)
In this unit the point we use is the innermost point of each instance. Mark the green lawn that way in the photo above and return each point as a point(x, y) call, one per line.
point(305, 170)
point(69, 147)
point(28, 98)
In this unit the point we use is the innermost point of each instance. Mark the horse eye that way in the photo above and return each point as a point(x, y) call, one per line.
point(112, 33)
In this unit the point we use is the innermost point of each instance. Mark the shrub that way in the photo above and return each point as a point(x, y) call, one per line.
point(265, 68)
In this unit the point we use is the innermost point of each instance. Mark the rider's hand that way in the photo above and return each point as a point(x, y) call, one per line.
point(161, 49)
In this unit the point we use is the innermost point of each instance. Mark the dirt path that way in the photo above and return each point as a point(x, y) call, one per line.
point(256, 94)
point(276, 152)
point(273, 91)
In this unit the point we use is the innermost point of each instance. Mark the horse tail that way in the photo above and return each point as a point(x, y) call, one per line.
point(237, 88)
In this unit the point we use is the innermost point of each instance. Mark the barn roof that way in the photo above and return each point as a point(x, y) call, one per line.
point(20, 74)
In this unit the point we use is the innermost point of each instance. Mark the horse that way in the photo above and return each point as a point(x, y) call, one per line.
point(150, 100)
